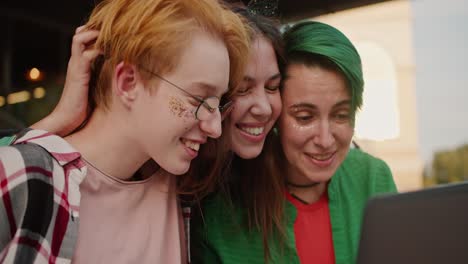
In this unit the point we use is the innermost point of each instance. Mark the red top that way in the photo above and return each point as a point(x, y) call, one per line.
point(312, 230)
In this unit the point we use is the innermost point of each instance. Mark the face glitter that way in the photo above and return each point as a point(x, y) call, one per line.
point(178, 107)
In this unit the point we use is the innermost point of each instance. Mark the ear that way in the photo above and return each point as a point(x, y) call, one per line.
point(127, 83)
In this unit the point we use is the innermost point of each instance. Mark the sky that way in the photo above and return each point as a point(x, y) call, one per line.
point(441, 51)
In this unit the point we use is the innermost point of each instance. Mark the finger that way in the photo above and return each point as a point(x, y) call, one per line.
point(79, 29)
point(91, 54)
point(83, 39)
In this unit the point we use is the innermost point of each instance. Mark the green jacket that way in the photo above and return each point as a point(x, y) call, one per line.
point(220, 238)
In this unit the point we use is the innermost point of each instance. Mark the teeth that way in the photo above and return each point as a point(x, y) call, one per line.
point(253, 130)
point(322, 157)
point(190, 144)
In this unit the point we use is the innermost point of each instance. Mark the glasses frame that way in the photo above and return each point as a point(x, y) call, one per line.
point(224, 110)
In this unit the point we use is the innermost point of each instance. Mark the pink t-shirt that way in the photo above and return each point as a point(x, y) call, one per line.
point(129, 221)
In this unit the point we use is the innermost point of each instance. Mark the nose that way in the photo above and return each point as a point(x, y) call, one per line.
point(262, 106)
point(324, 136)
point(212, 126)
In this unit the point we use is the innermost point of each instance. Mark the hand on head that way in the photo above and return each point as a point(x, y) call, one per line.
point(71, 110)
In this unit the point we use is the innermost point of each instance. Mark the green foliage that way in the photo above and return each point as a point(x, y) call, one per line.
point(448, 166)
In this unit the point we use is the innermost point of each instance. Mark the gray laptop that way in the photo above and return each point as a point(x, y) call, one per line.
point(423, 227)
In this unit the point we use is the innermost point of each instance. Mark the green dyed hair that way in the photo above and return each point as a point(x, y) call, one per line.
point(305, 40)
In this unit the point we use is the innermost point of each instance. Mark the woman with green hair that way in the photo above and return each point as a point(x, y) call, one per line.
point(325, 183)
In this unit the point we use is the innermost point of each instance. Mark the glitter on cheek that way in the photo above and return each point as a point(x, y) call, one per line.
point(302, 127)
point(177, 107)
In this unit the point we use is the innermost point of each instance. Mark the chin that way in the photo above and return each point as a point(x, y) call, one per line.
point(322, 176)
point(177, 170)
point(249, 153)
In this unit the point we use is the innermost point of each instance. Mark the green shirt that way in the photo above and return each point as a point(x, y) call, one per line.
point(220, 238)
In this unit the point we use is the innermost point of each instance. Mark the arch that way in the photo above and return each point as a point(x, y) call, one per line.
point(379, 118)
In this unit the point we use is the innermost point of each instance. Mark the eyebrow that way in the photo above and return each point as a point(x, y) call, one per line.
point(274, 77)
point(346, 102)
point(209, 88)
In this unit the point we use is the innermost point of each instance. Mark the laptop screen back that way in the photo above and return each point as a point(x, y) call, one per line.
point(428, 226)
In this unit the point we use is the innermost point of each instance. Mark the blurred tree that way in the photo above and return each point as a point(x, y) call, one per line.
point(449, 166)
point(428, 179)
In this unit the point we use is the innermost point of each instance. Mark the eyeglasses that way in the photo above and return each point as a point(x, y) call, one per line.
point(210, 104)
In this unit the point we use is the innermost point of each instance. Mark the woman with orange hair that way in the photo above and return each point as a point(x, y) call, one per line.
point(165, 65)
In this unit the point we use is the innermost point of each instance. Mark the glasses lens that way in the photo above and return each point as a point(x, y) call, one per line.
point(207, 109)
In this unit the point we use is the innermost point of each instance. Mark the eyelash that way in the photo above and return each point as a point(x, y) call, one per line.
point(272, 89)
point(304, 118)
point(339, 117)
point(244, 91)
point(269, 89)
point(342, 117)
point(194, 102)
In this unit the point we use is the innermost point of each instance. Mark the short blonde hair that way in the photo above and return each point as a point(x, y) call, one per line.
point(152, 33)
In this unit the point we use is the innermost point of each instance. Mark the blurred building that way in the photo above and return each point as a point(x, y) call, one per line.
point(34, 51)
point(36, 40)
point(387, 126)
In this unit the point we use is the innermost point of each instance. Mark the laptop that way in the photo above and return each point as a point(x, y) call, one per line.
point(422, 227)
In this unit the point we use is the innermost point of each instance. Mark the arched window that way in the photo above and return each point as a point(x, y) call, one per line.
point(379, 116)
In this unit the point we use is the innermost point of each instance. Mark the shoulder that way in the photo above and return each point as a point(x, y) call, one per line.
point(367, 170)
point(361, 162)
point(216, 215)
point(26, 175)
point(27, 198)
point(25, 164)
point(25, 155)
point(44, 142)
point(21, 163)
point(215, 206)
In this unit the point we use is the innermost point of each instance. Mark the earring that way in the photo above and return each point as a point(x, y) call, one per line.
point(276, 131)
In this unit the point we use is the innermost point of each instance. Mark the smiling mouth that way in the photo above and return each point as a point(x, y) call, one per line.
point(191, 144)
point(322, 157)
point(254, 131)
point(321, 160)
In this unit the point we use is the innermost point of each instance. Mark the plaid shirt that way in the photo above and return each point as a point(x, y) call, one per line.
point(40, 176)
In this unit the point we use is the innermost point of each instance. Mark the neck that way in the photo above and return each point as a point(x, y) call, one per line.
point(107, 144)
point(308, 185)
point(309, 195)
point(304, 188)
